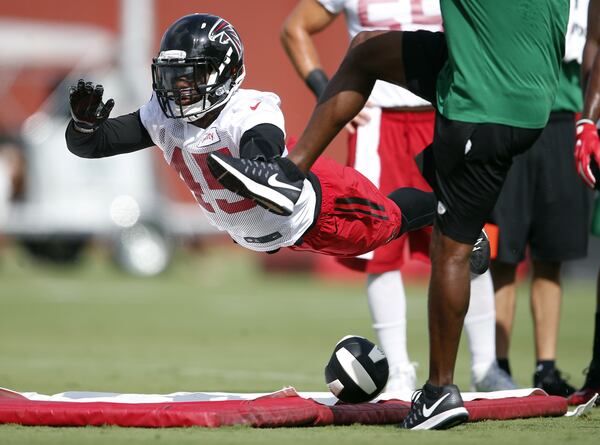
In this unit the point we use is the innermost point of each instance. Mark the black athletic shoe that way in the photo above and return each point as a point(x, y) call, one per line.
point(264, 182)
point(553, 383)
point(436, 412)
point(480, 257)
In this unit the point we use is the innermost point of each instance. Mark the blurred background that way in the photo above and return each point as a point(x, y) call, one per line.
point(55, 204)
point(133, 204)
point(90, 246)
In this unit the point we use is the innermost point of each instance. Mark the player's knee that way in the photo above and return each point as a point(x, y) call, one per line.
point(417, 207)
point(448, 252)
point(361, 38)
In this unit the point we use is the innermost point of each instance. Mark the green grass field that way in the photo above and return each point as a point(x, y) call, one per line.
point(217, 322)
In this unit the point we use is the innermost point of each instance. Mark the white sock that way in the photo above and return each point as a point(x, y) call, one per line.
point(480, 323)
point(387, 302)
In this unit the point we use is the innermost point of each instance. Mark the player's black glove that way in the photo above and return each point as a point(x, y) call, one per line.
point(87, 108)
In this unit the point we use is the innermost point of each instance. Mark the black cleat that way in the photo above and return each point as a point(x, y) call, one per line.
point(436, 408)
point(553, 383)
point(264, 182)
point(480, 256)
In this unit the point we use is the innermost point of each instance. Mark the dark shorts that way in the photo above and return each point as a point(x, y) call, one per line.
point(544, 204)
point(467, 163)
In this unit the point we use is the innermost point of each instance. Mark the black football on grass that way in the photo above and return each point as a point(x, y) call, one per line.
point(357, 370)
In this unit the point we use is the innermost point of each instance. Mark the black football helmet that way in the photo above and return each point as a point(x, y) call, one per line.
point(199, 67)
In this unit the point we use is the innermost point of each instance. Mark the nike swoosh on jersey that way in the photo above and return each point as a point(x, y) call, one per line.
point(274, 182)
point(255, 106)
point(428, 411)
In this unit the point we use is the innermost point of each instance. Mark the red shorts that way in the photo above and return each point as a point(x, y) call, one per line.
point(387, 159)
point(354, 218)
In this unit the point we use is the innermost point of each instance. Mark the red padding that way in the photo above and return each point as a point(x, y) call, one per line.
point(289, 411)
point(516, 407)
point(264, 412)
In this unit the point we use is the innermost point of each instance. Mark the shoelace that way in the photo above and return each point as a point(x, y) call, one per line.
point(413, 413)
point(259, 168)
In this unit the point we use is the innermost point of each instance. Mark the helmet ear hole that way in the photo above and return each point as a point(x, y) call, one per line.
point(191, 78)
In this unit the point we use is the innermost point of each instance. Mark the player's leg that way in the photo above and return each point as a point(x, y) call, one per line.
point(372, 55)
point(591, 385)
point(561, 204)
point(546, 296)
point(470, 164)
point(356, 218)
point(513, 215)
point(480, 328)
point(387, 304)
point(504, 278)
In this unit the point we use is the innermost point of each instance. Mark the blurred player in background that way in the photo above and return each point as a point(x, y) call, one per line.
point(587, 156)
point(493, 76)
point(543, 196)
point(384, 139)
point(12, 173)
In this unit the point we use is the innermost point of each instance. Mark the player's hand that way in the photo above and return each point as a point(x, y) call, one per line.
point(587, 148)
point(362, 118)
point(87, 109)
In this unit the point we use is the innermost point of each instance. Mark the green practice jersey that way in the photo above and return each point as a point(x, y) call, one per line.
point(504, 58)
point(569, 96)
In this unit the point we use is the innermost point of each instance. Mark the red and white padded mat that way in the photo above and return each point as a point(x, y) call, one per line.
point(283, 408)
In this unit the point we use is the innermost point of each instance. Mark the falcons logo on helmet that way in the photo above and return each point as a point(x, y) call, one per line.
point(224, 33)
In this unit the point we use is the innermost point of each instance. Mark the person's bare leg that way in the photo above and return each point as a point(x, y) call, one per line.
point(447, 305)
point(372, 55)
point(505, 288)
point(546, 297)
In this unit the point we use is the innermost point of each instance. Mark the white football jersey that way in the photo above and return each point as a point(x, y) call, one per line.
point(576, 31)
point(186, 147)
point(405, 15)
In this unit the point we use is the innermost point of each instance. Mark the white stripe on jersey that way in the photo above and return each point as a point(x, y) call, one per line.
point(186, 147)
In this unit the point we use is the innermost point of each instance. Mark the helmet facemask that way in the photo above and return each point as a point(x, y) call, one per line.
point(189, 88)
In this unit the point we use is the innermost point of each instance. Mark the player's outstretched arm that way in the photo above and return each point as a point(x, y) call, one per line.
point(91, 134)
point(587, 148)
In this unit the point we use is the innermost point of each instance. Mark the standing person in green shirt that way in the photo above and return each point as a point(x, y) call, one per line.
point(543, 196)
point(587, 156)
point(493, 77)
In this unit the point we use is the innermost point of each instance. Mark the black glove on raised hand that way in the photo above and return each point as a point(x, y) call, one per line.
point(87, 108)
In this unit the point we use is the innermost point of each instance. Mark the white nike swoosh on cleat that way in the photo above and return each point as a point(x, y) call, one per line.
point(274, 182)
point(428, 411)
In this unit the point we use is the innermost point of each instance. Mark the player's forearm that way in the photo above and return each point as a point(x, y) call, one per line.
point(308, 18)
point(124, 134)
point(590, 66)
point(591, 107)
point(300, 49)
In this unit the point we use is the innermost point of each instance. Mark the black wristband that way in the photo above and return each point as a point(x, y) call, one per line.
point(317, 81)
